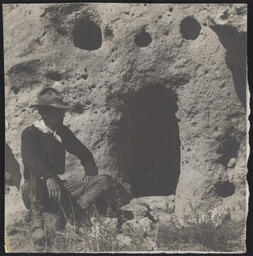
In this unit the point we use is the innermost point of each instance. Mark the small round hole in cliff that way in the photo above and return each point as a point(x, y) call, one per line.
point(190, 28)
point(143, 39)
point(225, 189)
point(87, 35)
point(148, 144)
point(228, 149)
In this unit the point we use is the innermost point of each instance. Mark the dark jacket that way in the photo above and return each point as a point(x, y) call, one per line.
point(43, 154)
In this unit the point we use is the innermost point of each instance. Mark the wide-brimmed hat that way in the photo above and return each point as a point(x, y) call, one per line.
point(50, 97)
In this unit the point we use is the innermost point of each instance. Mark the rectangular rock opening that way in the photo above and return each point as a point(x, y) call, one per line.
point(149, 143)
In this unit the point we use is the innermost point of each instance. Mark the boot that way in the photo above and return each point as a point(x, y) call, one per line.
point(83, 218)
point(61, 221)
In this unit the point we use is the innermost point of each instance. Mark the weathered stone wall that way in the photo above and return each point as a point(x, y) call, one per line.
point(195, 54)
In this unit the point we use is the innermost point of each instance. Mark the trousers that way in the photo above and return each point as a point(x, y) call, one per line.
point(102, 191)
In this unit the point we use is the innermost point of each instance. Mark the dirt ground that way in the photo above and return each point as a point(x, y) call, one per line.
point(103, 236)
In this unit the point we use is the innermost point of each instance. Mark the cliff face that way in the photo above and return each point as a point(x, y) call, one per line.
point(159, 91)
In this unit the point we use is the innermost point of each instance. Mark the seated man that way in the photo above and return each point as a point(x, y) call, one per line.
point(43, 147)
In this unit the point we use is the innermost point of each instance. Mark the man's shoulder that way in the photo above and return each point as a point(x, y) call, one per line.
point(30, 131)
point(64, 130)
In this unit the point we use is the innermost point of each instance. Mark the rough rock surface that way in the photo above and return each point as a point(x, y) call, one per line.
point(140, 52)
point(133, 211)
point(157, 203)
point(152, 207)
point(12, 169)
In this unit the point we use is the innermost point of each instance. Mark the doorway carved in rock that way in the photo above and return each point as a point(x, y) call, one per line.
point(148, 142)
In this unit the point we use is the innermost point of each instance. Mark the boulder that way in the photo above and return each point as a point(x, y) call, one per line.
point(156, 204)
point(153, 202)
point(128, 227)
point(165, 219)
point(132, 210)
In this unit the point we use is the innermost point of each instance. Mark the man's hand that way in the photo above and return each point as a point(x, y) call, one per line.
point(54, 190)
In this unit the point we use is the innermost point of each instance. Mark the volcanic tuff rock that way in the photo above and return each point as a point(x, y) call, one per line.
point(12, 172)
point(141, 65)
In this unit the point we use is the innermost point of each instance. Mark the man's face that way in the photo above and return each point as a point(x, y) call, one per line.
point(53, 117)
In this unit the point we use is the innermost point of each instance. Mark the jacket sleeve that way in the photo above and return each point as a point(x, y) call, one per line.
point(30, 156)
point(75, 147)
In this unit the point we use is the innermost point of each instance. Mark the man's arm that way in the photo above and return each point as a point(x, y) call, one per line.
point(34, 164)
point(75, 147)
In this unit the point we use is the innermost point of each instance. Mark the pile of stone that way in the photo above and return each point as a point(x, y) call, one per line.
point(152, 207)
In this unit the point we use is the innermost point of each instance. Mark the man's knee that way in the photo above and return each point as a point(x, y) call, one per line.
point(104, 179)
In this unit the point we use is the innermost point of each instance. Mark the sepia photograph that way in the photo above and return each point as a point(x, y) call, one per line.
point(126, 127)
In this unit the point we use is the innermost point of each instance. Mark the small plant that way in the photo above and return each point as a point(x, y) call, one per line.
point(198, 233)
point(204, 233)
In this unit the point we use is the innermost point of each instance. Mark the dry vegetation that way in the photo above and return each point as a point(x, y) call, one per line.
point(104, 236)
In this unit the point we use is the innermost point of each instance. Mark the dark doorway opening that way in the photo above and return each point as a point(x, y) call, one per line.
point(149, 143)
